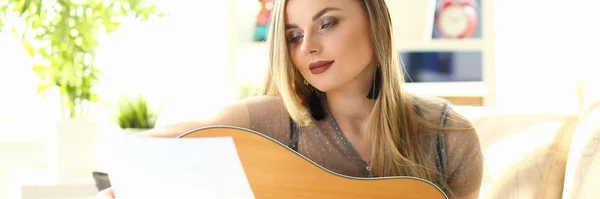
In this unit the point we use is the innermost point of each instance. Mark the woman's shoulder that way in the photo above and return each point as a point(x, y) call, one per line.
point(267, 115)
point(263, 101)
point(440, 111)
point(265, 106)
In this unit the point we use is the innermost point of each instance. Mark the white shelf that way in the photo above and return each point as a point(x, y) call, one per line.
point(442, 45)
point(448, 89)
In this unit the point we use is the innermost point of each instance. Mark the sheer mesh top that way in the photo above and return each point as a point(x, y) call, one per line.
point(456, 155)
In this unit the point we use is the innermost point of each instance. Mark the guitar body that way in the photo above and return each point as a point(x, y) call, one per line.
point(275, 171)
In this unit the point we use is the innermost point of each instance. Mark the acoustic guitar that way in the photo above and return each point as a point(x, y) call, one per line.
point(276, 171)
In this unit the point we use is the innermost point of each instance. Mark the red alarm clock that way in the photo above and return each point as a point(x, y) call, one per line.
point(456, 18)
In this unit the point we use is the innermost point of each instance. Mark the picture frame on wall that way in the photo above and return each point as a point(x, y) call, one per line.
point(455, 19)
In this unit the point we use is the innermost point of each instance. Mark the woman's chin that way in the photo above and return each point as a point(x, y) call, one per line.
point(325, 87)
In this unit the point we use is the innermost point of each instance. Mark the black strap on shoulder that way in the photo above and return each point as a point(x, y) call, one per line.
point(441, 143)
point(293, 136)
point(439, 146)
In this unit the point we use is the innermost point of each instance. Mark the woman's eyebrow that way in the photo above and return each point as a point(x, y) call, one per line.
point(323, 11)
point(315, 17)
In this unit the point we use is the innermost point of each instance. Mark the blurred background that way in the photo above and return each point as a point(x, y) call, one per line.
point(76, 74)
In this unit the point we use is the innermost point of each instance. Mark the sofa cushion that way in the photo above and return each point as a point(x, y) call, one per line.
point(582, 175)
point(525, 152)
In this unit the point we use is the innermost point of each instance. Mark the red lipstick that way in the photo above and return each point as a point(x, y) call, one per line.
point(319, 66)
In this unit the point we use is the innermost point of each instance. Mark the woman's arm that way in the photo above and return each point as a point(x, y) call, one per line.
point(232, 115)
point(263, 114)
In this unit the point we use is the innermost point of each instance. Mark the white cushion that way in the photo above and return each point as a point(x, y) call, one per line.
point(582, 176)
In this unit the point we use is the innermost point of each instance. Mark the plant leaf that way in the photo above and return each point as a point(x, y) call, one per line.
point(134, 112)
point(94, 98)
point(29, 48)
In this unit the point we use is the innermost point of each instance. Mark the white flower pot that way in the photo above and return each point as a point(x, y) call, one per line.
point(71, 150)
point(131, 131)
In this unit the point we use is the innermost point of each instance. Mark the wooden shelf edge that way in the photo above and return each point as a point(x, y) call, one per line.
point(457, 93)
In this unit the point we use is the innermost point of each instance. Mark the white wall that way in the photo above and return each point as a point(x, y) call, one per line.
point(180, 61)
point(539, 52)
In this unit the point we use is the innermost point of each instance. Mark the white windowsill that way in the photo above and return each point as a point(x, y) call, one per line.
point(25, 130)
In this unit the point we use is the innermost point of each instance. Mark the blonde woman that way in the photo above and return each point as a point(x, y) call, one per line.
point(334, 93)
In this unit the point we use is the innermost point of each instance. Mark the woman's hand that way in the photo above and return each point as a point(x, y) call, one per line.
point(106, 194)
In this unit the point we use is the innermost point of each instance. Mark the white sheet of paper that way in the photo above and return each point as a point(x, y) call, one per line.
point(195, 168)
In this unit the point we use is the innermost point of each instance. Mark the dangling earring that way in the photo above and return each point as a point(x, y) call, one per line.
point(308, 84)
point(376, 86)
point(314, 103)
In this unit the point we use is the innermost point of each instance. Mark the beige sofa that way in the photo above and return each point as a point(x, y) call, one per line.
point(529, 155)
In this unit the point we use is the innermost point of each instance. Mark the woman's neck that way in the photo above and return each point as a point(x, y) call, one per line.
point(349, 106)
point(350, 103)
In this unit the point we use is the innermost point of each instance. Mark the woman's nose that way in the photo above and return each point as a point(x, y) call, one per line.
point(310, 45)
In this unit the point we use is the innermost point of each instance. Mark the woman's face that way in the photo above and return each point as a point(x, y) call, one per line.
point(330, 41)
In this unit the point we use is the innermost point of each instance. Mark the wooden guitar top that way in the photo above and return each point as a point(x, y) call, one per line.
point(275, 171)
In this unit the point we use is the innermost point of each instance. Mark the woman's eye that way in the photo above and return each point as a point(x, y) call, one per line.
point(328, 23)
point(295, 39)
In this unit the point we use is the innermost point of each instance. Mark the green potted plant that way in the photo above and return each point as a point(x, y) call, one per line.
point(62, 37)
point(135, 115)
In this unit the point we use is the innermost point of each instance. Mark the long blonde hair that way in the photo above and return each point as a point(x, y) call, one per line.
point(394, 154)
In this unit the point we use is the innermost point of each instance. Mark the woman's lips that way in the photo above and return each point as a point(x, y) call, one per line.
point(319, 67)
